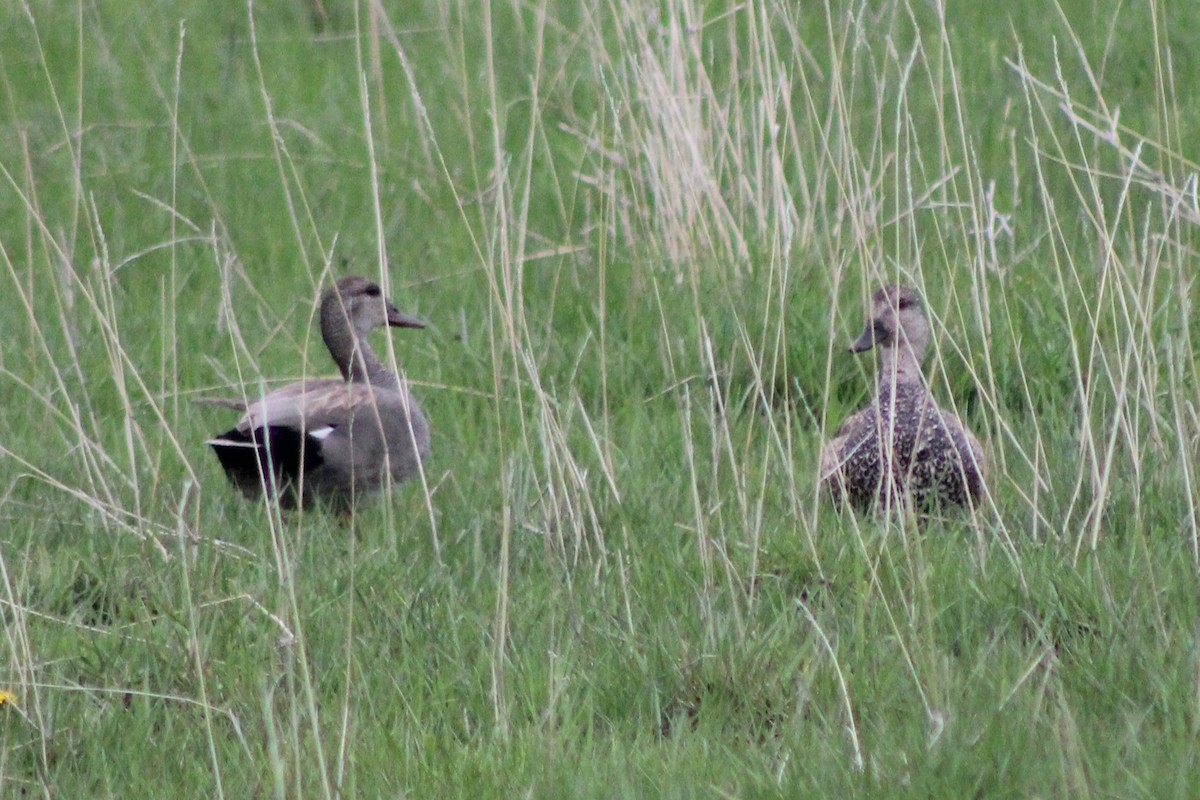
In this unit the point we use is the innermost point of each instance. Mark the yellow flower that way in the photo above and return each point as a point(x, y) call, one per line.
point(7, 697)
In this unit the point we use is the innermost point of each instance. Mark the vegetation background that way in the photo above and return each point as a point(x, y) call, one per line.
point(643, 234)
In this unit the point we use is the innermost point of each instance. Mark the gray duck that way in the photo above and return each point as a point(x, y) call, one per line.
point(336, 441)
point(901, 450)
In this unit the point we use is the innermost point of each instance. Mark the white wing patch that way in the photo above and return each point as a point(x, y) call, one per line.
point(321, 433)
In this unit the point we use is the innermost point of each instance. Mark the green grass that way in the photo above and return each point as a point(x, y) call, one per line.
point(642, 236)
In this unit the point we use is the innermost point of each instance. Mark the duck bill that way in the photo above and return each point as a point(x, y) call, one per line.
point(872, 335)
point(398, 319)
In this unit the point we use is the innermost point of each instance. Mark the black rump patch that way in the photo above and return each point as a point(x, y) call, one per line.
point(281, 452)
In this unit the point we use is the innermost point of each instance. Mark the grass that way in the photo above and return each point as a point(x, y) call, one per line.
point(642, 236)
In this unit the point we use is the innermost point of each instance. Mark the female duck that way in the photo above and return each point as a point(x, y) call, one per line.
point(330, 440)
point(901, 450)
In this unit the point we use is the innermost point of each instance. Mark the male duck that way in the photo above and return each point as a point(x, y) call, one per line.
point(330, 440)
point(901, 450)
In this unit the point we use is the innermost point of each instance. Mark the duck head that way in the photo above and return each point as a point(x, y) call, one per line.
point(898, 328)
point(358, 305)
point(897, 323)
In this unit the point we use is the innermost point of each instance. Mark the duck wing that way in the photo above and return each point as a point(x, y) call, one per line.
point(305, 405)
point(834, 453)
point(970, 453)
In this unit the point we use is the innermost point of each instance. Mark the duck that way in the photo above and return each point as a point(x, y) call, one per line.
point(902, 451)
point(338, 442)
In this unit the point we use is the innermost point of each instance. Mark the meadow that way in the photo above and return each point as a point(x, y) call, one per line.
point(643, 235)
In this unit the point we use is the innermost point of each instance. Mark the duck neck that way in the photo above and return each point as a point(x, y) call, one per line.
point(898, 366)
point(354, 356)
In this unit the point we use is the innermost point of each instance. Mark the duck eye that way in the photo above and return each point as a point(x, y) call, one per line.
point(371, 291)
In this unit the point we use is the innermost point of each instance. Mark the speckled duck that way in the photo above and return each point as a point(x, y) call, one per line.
point(901, 450)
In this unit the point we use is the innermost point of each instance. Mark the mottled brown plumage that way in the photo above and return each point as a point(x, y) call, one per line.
point(901, 450)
